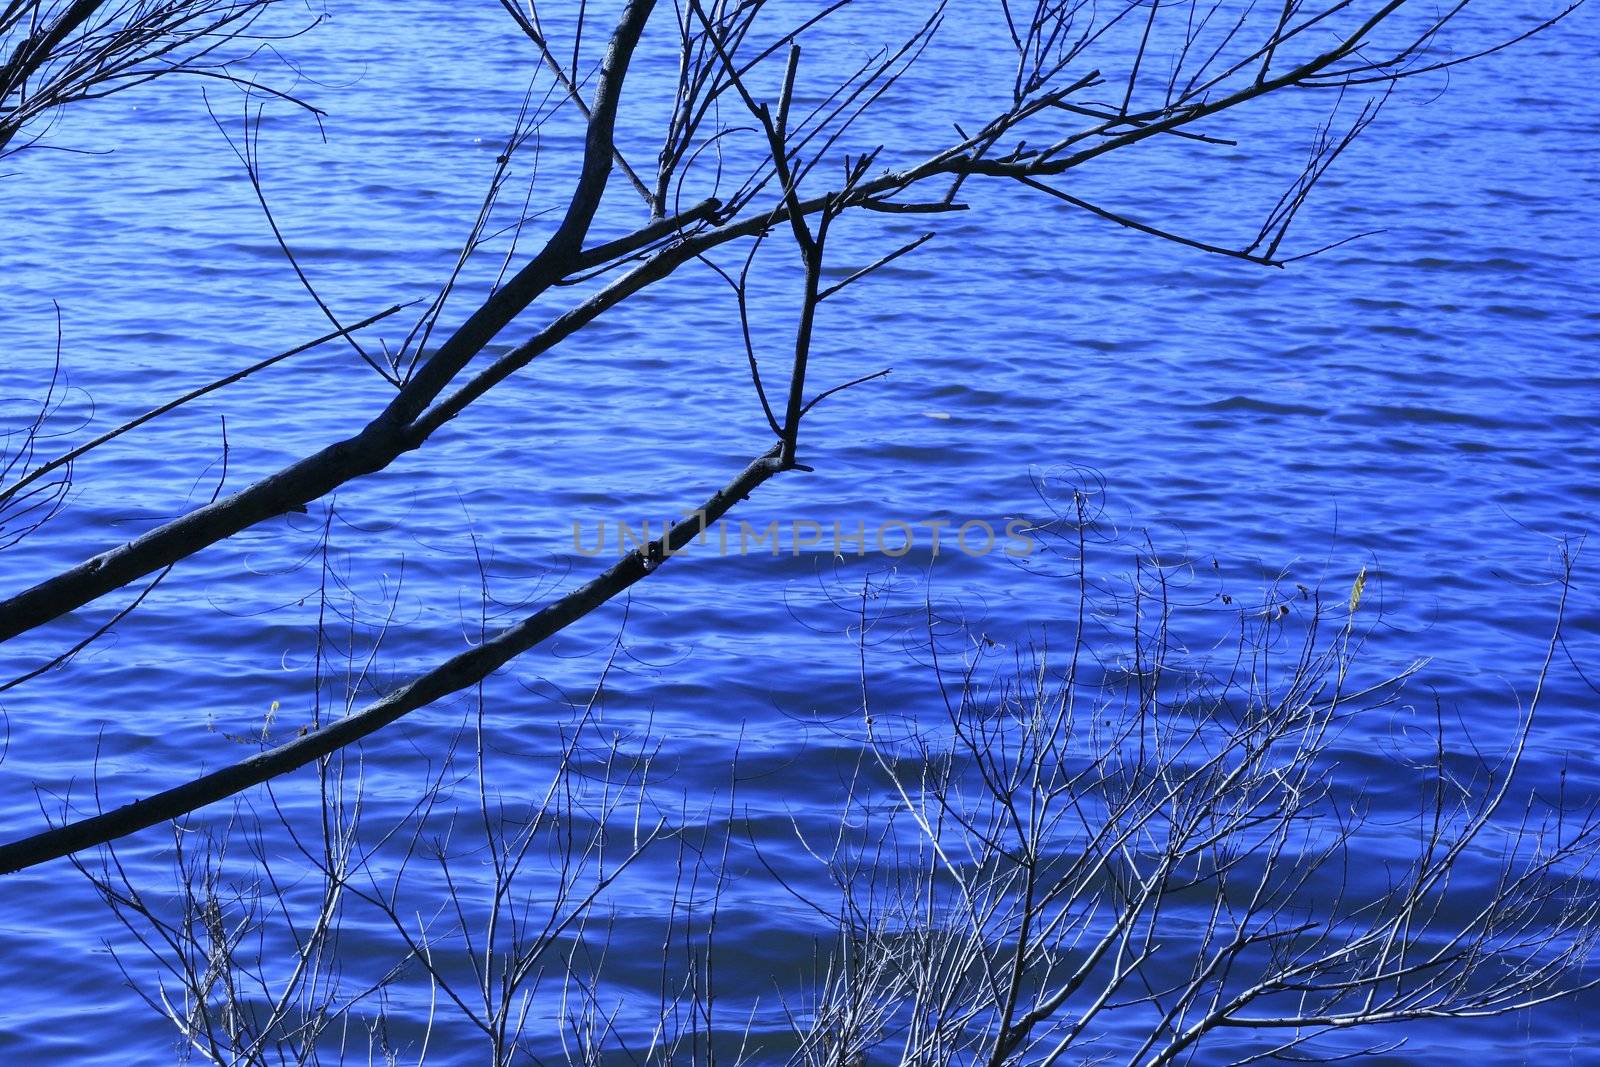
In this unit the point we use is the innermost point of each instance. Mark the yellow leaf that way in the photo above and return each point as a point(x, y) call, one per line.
point(1356, 589)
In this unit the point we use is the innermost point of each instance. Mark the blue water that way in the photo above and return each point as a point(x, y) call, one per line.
point(1423, 403)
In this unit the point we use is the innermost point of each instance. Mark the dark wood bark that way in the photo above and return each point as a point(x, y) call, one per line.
point(385, 438)
point(451, 676)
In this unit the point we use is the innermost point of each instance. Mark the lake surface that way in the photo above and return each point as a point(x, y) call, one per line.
point(1423, 403)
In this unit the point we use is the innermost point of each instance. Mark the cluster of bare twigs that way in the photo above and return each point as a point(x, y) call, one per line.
point(248, 966)
point(59, 52)
point(266, 957)
point(1116, 849)
point(483, 912)
point(1172, 857)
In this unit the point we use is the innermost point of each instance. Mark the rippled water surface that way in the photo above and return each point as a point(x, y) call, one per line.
point(1423, 403)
